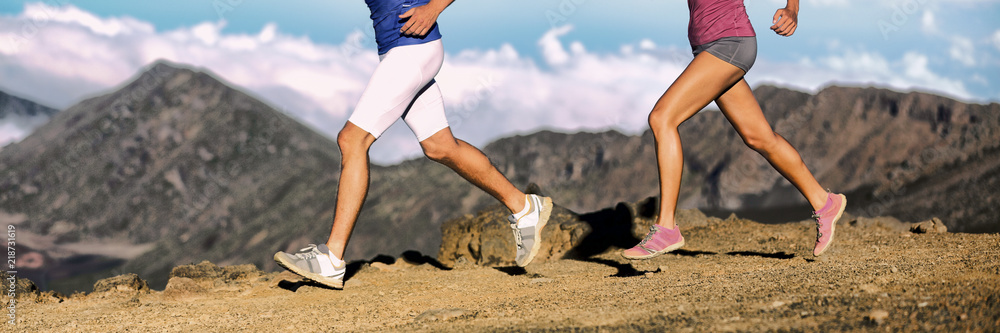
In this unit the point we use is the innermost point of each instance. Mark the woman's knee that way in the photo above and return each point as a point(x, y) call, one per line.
point(661, 119)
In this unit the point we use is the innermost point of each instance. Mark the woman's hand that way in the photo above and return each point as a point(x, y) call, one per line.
point(421, 19)
point(786, 20)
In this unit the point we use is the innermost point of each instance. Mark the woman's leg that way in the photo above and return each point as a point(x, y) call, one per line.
point(742, 110)
point(704, 80)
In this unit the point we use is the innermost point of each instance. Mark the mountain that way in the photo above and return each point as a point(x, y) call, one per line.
point(910, 155)
point(177, 166)
point(174, 158)
point(19, 116)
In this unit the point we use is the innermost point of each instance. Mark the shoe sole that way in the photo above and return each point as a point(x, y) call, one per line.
point(657, 253)
point(332, 283)
point(833, 228)
point(543, 220)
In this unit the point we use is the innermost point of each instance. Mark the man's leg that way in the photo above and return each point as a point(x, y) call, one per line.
point(352, 188)
point(323, 263)
point(426, 118)
point(472, 165)
point(396, 82)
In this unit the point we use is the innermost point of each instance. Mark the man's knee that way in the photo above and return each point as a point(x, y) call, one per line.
point(438, 150)
point(353, 139)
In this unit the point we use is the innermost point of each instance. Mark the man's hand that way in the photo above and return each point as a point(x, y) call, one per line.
point(785, 21)
point(420, 19)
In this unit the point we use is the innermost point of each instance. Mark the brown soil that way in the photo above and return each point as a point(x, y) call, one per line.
point(736, 275)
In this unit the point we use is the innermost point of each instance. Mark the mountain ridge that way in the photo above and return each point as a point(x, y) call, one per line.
point(186, 167)
point(19, 116)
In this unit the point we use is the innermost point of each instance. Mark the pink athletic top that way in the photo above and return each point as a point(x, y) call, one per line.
point(714, 19)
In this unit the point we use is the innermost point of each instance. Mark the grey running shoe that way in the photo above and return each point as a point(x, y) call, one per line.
point(313, 263)
point(529, 239)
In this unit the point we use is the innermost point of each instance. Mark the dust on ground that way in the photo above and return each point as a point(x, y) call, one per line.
point(732, 276)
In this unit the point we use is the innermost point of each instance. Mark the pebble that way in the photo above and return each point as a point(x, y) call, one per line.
point(540, 280)
point(894, 269)
point(776, 304)
point(383, 267)
point(878, 316)
point(869, 288)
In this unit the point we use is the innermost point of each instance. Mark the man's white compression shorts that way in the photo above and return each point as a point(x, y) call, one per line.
point(403, 86)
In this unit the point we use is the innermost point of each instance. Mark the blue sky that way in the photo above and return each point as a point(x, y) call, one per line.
point(512, 66)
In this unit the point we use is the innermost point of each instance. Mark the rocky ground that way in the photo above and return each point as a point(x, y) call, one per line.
point(734, 275)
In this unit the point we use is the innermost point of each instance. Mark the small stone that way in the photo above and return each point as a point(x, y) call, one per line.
point(963, 316)
point(383, 267)
point(921, 304)
point(126, 282)
point(205, 154)
point(933, 225)
point(776, 304)
point(878, 316)
point(177, 286)
point(894, 269)
point(869, 288)
point(540, 280)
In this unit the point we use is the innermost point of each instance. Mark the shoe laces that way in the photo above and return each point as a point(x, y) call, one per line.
point(517, 235)
point(308, 252)
point(819, 226)
point(649, 235)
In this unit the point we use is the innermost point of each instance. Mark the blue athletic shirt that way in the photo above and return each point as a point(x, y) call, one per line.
point(385, 19)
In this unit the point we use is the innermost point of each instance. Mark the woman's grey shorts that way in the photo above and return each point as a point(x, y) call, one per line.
point(738, 51)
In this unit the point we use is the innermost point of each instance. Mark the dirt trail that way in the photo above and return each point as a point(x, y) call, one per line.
point(732, 276)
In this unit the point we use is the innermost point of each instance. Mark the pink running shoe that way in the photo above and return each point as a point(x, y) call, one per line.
point(826, 221)
point(658, 241)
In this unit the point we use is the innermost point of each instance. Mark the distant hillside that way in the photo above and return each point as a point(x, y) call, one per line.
point(909, 155)
point(19, 116)
point(176, 160)
point(177, 167)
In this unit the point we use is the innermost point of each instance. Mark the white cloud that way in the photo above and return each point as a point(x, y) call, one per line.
point(552, 49)
point(928, 23)
point(489, 93)
point(15, 128)
point(996, 39)
point(40, 14)
point(909, 72)
point(962, 50)
point(10, 133)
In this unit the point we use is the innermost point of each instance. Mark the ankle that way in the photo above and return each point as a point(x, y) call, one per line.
point(517, 205)
point(667, 225)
